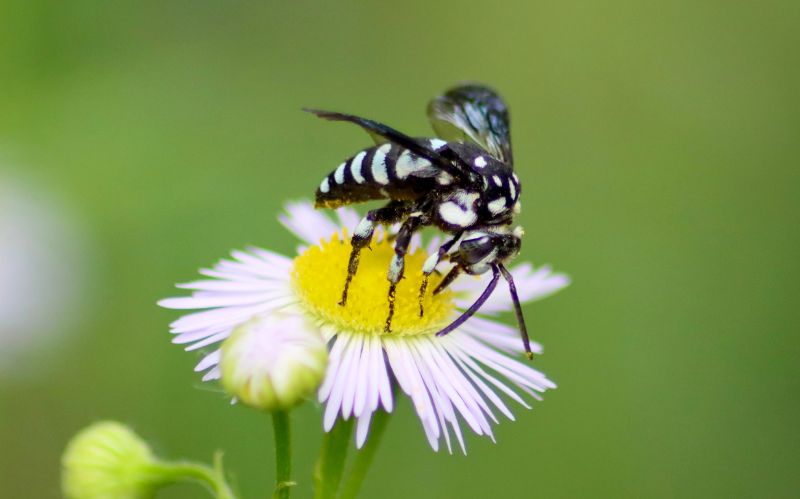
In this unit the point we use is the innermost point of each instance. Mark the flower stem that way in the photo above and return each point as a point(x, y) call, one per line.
point(364, 457)
point(212, 478)
point(332, 456)
point(283, 454)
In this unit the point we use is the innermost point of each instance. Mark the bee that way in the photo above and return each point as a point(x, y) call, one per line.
point(461, 182)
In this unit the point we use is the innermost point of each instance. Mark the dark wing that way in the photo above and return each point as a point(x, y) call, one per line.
point(473, 113)
point(390, 134)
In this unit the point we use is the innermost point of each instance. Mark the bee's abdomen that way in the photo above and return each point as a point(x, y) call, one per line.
point(387, 171)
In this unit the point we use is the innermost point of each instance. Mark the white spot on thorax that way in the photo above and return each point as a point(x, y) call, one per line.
point(355, 167)
point(480, 162)
point(497, 180)
point(454, 214)
point(513, 190)
point(437, 144)
point(338, 176)
point(465, 198)
point(497, 206)
point(325, 187)
point(444, 178)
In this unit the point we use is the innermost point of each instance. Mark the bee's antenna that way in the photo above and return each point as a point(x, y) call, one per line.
point(475, 306)
point(523, 331)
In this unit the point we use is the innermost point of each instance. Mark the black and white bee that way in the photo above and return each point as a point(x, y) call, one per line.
point(462, 182)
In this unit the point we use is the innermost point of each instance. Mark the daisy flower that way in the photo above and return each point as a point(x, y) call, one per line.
point(461, 375)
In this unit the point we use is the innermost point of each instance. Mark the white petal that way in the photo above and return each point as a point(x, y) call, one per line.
point(384, 386)
point(530, 286)
point(348, 399)
point(215, 373)
point(334, 362)
point(466, 359)
point(306, 223)
point(211, 339)
point(497, 401)
point(362, 380)
point(348, 218)
point(362, 429)
point(225, 300)
point(209, 360)
point(448, 387)
point(342, 374)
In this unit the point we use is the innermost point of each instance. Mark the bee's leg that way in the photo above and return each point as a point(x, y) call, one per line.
point(430, 265)
point(475, 306)
point(397, 266)
point(523, 331)
point(393, 212)
point(449, 278)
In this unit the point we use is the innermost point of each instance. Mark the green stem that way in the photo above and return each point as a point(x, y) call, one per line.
point(213, 478)
point(332, 456)
point(283, 454)
point(364, 457)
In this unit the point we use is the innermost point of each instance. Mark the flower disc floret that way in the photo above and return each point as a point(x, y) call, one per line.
point(318, 276)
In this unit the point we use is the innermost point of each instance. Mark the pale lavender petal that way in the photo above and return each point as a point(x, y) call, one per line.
point(509, 368)
point(530, 286)
point(471, 396)
point(334, 362)
point(464, 358)
point(211, 339)
point(348, 218)
point(362, 429)
point(183, 338)
point(215, 373)
point(375, 372)
point(256, 285)
point(384, 387)
point(433, 245)
point(362, 380)
point(497, 401)
point(441, 403)
point(335, 400)
point(416, 242)
point(410, 381)
point(209, 360)
point(224, 300)
point(352, 380)
point(306, 223)
point(473, 418)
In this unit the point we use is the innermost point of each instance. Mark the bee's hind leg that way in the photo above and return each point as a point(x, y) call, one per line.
point(397, 267)
point(393, 212)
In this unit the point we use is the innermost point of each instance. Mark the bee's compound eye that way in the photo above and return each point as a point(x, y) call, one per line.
point(475, 250)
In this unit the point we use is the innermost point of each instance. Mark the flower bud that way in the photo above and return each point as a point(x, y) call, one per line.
point(273, 362)
point(107, 461)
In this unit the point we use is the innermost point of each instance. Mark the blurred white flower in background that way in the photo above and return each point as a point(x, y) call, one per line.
point(43, 282)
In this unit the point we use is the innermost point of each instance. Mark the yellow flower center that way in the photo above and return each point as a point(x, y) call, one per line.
point(318, 278)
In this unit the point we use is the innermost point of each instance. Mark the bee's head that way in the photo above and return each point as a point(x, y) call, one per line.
point(481, 248)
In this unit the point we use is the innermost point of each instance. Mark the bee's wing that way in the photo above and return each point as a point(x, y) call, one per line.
point(390, 134)
point(473, 113)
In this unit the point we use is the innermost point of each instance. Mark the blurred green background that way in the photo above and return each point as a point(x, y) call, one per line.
point(659, 147)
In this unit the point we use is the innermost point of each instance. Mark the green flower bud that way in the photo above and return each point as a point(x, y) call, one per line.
point(273, 362)
point(107, 461)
